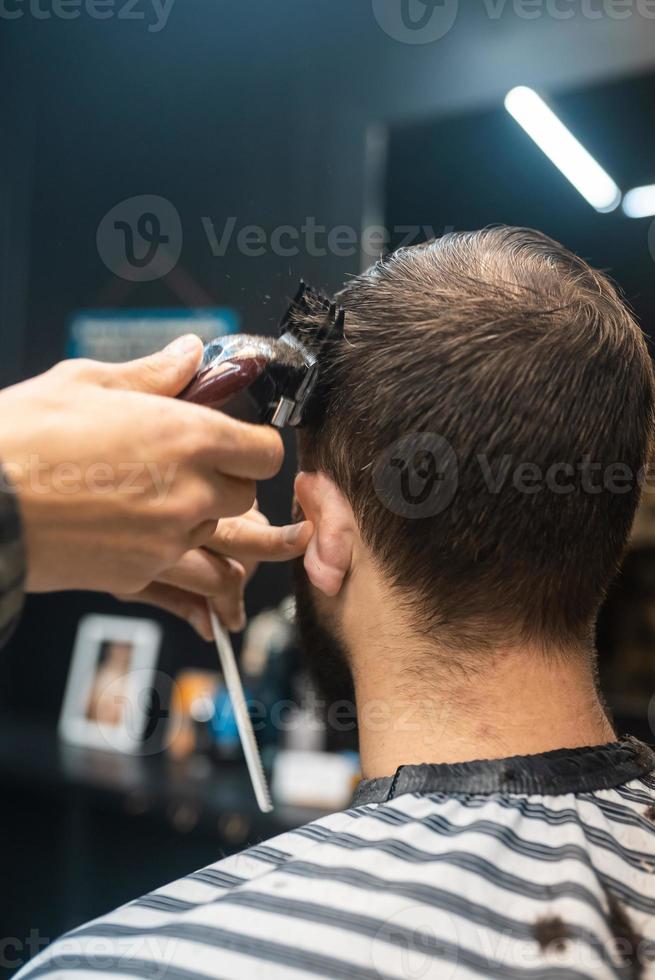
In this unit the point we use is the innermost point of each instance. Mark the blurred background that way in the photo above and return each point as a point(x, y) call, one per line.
point(171, 165)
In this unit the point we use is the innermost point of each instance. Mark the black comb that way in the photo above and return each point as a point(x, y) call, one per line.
point(313, 319)
point(311, 325)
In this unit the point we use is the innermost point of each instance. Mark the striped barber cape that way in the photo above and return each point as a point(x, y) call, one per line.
point(531, 867)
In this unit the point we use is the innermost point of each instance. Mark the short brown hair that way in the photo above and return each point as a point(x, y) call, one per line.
point(509, 346)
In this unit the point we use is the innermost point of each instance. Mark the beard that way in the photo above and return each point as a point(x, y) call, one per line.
point(324, 655)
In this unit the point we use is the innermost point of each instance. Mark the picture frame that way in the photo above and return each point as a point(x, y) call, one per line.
point(109, 684)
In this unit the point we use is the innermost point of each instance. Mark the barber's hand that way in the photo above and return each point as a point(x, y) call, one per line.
point(116, 479)
point(220, 570)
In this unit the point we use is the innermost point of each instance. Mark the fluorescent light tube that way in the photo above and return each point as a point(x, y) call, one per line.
point(640, 202)
point(562, 148)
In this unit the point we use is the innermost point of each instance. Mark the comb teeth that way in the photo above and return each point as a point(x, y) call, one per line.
point(313, 319)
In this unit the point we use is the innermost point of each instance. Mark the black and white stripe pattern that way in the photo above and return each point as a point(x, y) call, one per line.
point(422, 886)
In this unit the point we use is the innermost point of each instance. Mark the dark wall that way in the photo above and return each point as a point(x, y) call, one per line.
point(256, 111)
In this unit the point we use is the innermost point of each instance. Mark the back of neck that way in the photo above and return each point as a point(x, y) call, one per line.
point(516, 702)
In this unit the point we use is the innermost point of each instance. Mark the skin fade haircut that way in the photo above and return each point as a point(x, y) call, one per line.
point(511, 349)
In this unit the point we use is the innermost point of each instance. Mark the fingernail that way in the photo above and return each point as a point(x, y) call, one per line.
point(183, 345)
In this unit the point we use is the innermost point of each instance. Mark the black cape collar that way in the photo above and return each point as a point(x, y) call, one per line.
point(579, 770)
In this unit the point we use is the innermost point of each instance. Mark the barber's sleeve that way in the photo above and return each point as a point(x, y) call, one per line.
point(12, 560)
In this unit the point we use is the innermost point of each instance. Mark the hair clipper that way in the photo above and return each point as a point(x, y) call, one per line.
point(280, 374)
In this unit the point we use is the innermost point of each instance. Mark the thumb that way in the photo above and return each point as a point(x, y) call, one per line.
point(166, 372)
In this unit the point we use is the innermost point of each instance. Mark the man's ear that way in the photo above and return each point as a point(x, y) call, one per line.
point(329, 554)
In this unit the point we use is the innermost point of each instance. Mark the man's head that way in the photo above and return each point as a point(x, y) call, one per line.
point(510, 350)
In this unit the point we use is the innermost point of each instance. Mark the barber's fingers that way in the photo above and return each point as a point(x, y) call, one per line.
point(166, 372)
point(185, 605)
point(226, 496)
point(253, 539)
point(205, 574)
point(230, 447)
point(202, 533)
point(221, 580)
point(238, 449)
point(196, 579)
